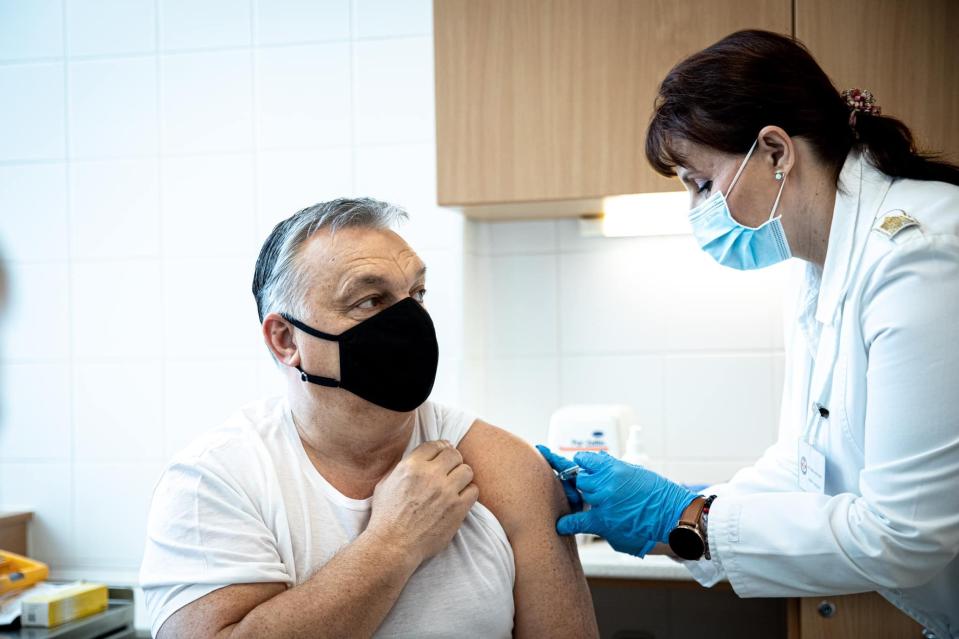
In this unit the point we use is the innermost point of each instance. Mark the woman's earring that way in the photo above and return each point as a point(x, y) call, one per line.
point(778, 175)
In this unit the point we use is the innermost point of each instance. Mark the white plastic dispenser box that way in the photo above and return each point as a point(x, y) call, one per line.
point(589, 427)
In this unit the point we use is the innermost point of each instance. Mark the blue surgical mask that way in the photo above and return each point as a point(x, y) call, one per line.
point(733, 244)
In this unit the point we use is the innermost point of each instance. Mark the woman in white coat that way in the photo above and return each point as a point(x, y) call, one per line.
point(861, 491)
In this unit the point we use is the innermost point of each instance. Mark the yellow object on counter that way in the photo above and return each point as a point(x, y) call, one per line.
point(18, 572)
point(67, 604)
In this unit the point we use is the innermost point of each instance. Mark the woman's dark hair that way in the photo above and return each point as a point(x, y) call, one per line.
point(724, 95)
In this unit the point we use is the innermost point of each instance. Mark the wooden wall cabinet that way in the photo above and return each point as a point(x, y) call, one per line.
point(545, 100)
point(13, 532)
point(863, 616)
point(668, 609)
point(542, 105)
point(904, 51)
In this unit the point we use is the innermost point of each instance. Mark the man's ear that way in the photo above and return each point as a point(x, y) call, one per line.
point(776, 149)
point(278, 335)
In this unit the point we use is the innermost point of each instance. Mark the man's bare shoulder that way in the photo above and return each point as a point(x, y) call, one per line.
point(514, 480)
point(519, 487)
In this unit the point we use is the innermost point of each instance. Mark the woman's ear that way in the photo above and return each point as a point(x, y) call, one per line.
point(278, 335)
point(776, 149)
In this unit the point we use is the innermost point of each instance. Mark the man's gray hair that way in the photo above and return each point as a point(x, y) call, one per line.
point(278, 284)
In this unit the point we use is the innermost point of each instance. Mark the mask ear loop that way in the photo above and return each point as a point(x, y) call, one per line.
point(309, 330)
point(782, 184)
point(329, 382)
point(741, 167)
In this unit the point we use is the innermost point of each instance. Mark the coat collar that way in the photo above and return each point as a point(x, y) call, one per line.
point(859, 195)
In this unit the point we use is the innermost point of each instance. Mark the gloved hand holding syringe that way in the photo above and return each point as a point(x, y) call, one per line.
point(631, 507)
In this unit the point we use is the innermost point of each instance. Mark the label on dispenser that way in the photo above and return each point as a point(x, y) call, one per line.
point(595, 442)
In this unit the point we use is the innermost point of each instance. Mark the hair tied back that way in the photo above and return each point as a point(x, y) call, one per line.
point(860, 101)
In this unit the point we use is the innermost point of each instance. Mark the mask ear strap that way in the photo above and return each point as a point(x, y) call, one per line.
point(741, 167)
point(316, 379)
point(772, 213)
point(309, 330)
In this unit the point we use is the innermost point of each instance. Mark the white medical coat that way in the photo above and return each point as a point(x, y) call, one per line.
point(874, 340)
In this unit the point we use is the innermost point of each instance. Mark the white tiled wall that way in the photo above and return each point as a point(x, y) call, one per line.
point(147, 147)
point(694, 348)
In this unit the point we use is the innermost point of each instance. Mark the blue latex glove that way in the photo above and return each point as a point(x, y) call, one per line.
point(631, 507)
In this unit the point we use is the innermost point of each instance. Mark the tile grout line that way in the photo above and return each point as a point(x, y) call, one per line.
point(160, 175)
point(352, 44)
point(663, 406)
point(214, 153)
point(125, 258)
point(558, 314)
point(255, 107)
point(71, 307)
point(630, 354)
point(96, 57)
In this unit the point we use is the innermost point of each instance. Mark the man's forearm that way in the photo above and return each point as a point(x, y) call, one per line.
point(349, 596)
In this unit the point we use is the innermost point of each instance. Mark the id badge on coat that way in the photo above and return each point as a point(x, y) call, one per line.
point(812, 468)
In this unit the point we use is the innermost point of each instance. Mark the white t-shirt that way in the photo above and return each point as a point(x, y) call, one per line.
point(244, 504)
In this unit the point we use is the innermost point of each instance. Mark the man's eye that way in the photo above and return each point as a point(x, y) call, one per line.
point(705, 187)
point(420, 295)
point(371, 302)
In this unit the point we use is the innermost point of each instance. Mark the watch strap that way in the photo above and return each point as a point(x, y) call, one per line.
point(704, 529)
point(690, 516)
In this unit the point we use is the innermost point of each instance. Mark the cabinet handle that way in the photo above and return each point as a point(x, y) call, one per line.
point(826, 609)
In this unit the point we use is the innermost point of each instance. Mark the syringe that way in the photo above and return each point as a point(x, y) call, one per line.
point(569, 473)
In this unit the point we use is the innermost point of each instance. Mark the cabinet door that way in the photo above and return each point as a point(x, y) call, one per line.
point(13, 532)
point(865, 616)
point(904, 51)
point(549, 99)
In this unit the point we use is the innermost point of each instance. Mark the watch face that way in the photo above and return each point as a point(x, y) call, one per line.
point(686, 543)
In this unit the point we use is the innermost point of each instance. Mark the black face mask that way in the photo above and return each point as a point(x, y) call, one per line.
point(389, 359)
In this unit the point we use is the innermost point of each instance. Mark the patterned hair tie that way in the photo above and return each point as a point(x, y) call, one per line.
point(860, 101)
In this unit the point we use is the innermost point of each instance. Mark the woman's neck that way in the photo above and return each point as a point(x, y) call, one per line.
point(813, 200)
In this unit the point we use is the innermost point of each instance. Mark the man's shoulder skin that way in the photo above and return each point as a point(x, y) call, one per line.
point(519, 488)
